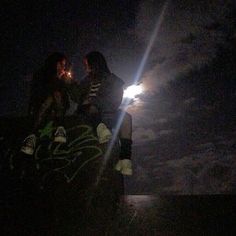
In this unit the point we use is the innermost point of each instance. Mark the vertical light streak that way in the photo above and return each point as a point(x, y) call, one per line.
point(136, 81)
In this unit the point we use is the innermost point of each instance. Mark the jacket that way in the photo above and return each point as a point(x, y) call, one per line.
point(109, 96)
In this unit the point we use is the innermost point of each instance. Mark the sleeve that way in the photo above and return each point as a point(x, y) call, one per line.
point(109, 97)
point(115, 97)
point(74, 91)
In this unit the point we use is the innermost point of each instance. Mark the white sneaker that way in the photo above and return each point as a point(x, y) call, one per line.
point(104, 134)
point(60, 135)
point(29, 145)
point(124, 167)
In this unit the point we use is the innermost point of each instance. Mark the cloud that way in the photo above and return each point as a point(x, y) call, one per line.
point(189, 101)
point(162, 120)
point(165, 132)
point(188, 37)
point(142, 134)
point(203, 171)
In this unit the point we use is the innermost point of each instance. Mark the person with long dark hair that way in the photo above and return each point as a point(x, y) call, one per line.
point(101, 94)
point(48, 98)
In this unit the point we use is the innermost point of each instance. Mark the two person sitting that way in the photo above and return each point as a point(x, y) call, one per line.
point(98, 96)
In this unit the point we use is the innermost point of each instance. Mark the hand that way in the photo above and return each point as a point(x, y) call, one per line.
point(67, 77)
point(68, 74)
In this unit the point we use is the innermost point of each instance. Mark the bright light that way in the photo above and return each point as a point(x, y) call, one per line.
point(132, 91)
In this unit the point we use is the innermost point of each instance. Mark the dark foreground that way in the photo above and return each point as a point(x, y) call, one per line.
point(181, 215)
point(137, 215)
point(57, 192)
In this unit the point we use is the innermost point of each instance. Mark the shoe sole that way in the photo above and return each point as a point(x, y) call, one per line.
point(27, 151)
point(127, 172)
point(105, 140)
point(60, 140)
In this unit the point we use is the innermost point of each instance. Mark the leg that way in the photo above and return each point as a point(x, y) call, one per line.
point(42, 113)
point(30, 141)
point(126, 127)
point(124, 165)
point(59, 102)
point(125, 136)
point(103, 133)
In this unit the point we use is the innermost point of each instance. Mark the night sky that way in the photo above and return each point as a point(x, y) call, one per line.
point(184, 122)
point(33, 30)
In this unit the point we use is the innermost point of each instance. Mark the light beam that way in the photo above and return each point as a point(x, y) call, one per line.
point(136, 81)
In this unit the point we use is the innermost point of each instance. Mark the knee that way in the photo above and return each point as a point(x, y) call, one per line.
point(127, 118)
point(92, 110)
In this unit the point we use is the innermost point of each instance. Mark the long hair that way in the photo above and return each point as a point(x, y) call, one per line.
point(50, 65)
point(97, 63)
point(43, 79)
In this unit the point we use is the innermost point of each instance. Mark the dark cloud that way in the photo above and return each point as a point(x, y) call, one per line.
point(188, 40)
point(188, 79)
point(204, 170)
point(188, 37)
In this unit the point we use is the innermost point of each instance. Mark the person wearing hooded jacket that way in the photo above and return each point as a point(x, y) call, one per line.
point(99, 97)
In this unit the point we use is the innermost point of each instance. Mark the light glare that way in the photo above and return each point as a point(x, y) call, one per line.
point(132, 91)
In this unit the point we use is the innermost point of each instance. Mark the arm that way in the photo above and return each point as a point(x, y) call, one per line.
point(74, 91)
point(109, 97)
point(116, 98)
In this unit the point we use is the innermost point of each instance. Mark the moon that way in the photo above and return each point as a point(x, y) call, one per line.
point(132, 91)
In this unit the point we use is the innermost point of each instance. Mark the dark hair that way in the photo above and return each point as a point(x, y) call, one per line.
point(97, 63)
point(43, 78)
point(50, 65)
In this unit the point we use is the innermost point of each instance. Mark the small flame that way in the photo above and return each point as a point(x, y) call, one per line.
point(68, 75)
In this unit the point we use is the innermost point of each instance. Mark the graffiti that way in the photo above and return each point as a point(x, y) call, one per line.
point(65, 159)
point(68, 159)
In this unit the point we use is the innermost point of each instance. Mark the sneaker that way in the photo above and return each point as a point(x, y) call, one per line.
point(124, 167)
point(104, 134)
point(29, 145)
point(60, 135)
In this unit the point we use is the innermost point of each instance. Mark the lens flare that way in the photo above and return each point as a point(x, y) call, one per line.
point(132, 91)
point(136, 81)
